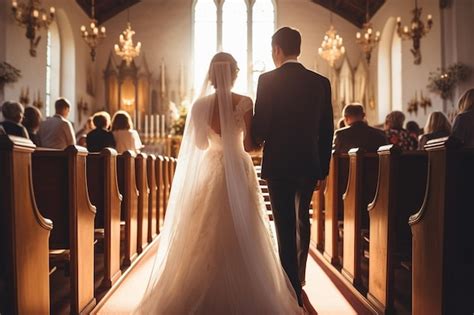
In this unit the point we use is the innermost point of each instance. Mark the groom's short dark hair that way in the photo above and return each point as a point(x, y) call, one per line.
point(289, 40)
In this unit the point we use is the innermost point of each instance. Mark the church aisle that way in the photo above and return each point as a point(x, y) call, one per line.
point(323, 294)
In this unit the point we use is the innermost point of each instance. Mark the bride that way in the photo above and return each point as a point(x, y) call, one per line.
point(216, 255)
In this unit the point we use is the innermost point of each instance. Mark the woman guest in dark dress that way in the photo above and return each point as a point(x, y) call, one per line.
point(31, 121)
point(463, 127)
point(396, 134)
point(413, 129)
point(437, 126)
point(100, 137)
point(13, 115)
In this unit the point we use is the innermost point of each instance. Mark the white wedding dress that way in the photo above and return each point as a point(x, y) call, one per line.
point(215, 252)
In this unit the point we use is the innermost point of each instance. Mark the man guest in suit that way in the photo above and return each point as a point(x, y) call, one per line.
point(293, 121)
point(357, 134)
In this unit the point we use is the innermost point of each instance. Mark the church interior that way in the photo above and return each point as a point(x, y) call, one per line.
point(390, 227)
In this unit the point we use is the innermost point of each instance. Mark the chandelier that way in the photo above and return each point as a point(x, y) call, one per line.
point(331, 48)
point(125, 48)
point(367, 40)
point(32, 16)
point(415, 32)
point(94, 35)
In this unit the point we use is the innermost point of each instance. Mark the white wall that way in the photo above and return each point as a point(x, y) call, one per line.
point(16, 51)
point(414, 77)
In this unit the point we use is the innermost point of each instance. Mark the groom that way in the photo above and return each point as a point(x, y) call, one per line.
point(293, 120)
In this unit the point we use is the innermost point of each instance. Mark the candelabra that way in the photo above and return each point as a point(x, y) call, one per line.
point(416, 31)
point(125, 48)
point(32, 16)
point(331, 48)
point(367, 41)
point(94, 35)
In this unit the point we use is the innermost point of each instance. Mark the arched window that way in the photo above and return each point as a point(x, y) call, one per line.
point(263, 27)
point(384, 70)
point(240, 27)
point(53, 68)
point(234, 38)
point(396, 59)
point(205, 39)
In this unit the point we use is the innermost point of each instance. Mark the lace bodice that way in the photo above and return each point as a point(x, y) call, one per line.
point(245, 104)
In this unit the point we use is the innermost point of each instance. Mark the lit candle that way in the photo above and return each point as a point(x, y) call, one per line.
point(135, 120)
point(139, 126)
point(430, 17)
point(163, 125)
point(35, 13)
point(399, 19)
point(146, 126)
point(405, 29)
point(92, 25)
point(181, 81)
point(96, 31)
point(163, 87)
point(102, 29)
point(152, 133)
point(14, 4)
point(83, 28)
point(52, 10)
point(157, 120)
point(358, 35)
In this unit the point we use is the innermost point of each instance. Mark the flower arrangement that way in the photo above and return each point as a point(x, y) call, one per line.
point(8, 73)
point(177, 128)
point(443, 81)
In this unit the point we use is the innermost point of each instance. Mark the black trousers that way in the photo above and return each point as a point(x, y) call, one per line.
point(290, 200)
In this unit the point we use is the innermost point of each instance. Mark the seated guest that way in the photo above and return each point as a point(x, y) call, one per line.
point(126, 138)
point(357, 134)
point(2, 131)
point(57, 132)
point(413, 129)
point(437, 126)
point(100, 137)
point(463, 127)
point(13, 114)
point(31, 121)
point(341, 123)
point(81, 135)
point(396, 134)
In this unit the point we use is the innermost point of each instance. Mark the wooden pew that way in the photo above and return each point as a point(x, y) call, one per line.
point(160, 195)
point(443, 241)
point(129, 208)
point(104, 194)
point(317, 227)
point(60, 184)
point(152, 198)
point(400, 190)
point(24, 234)
point(143, 192)
point(166, 182)
point(335, 187)
point(361, 186)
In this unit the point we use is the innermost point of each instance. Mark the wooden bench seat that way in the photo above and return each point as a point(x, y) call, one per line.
point(104, 194)
point(129, 207)
point(160, 194)
point(443, 237)
point(24, 234)
point(400, 190)
point(360, 191)
point(333, 205)
point(60, 187)
point(143, 192)
point(153, 212)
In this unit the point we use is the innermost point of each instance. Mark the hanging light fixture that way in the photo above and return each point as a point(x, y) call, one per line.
point(415, 32)
point(125, 48)
point(367, 40)
point(331, 48)
point(32, 16)
point(94, 35)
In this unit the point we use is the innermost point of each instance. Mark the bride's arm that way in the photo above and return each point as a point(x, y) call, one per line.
point(249, 144)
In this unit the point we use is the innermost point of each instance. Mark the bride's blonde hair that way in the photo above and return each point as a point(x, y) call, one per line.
point(223, 57)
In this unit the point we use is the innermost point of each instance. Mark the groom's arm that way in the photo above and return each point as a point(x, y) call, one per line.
point(326, 130)
point(261, 118)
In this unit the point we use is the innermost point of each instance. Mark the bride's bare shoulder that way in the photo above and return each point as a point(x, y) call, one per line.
point(239, 98)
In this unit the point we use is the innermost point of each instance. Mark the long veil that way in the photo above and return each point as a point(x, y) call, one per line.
point(187, 229)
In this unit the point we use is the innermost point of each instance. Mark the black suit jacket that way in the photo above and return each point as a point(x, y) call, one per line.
point(99, 139)
point(294, 119)
point(358, 135)
point(14, 129)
